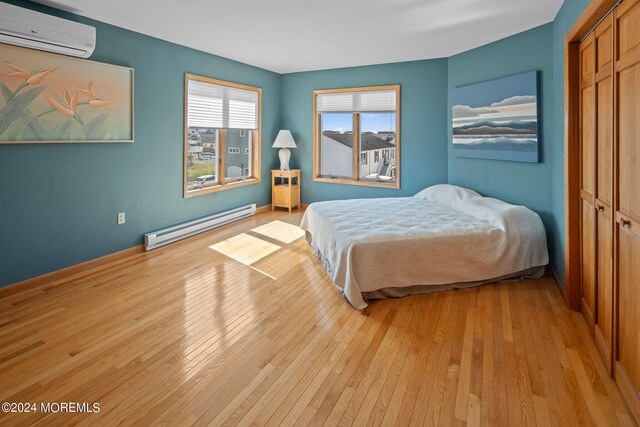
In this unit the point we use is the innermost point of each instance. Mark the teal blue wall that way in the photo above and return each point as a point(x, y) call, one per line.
point(527, 184)
point(58, 202)
point(566, 17)
point(423, 123)
point(541, 48)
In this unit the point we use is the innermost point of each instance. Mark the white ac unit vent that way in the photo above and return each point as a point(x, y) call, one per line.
point(35, 30)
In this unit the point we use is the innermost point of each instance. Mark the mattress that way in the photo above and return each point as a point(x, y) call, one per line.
point(444, 235)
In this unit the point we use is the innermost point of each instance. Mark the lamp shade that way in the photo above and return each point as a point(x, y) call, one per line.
point(284, 140)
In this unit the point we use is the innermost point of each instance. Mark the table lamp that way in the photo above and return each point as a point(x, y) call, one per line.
point(284, 141)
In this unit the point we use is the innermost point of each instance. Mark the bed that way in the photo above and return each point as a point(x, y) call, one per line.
point(444, 237)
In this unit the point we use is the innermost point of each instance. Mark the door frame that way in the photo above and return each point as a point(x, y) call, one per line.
point(589, 18)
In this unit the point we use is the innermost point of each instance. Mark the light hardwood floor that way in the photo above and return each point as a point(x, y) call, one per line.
point(242, 326)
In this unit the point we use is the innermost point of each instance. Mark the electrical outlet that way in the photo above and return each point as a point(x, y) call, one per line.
point(121, 218)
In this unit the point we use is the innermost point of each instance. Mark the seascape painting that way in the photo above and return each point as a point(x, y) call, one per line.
point(497, 119)
point(47, 97)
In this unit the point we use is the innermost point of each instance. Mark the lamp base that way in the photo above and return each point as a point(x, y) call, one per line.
point(284, 155)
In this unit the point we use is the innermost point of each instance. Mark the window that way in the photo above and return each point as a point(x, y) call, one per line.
point(222, 135)
point(356, 136)
point(364, 159)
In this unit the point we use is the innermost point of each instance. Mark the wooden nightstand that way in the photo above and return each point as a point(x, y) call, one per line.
point(285, 189)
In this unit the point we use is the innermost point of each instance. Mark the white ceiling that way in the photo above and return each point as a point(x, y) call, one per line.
point(300, 35)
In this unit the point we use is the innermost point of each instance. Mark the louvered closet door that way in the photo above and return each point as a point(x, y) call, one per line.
point(603, 331)
point(588, 177)
point(627, 215)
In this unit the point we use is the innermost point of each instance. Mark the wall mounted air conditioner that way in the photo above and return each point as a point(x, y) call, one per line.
point(35, 30)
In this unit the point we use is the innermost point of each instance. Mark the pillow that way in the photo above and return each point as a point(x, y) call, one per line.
point(495, 211)
point(447, 194)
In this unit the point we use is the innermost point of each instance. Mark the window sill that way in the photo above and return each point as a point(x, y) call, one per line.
point(221, 187)
point(346, 181)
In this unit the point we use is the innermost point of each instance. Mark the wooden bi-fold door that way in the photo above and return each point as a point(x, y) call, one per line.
point(605, 186)
point(596, 193)
point(627, 212)
point(588, 178)
point(603, 331)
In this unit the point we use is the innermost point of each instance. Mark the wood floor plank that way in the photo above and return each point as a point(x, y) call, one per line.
point(436, 394)
point(242, 326)
point(462, 393)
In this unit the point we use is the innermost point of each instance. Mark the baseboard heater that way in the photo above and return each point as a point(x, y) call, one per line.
point(182, 231)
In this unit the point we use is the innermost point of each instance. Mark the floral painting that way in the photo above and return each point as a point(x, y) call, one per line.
point(497, 119)
point(47, 97)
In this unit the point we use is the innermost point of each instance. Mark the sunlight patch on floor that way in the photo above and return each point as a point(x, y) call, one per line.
point(280, 231)
point(263, 272)
point(245, 248)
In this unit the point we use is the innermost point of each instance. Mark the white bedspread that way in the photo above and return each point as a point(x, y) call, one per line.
point(444, 234)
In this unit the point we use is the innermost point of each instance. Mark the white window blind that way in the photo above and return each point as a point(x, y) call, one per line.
point(222, 107)
point(356, 102)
